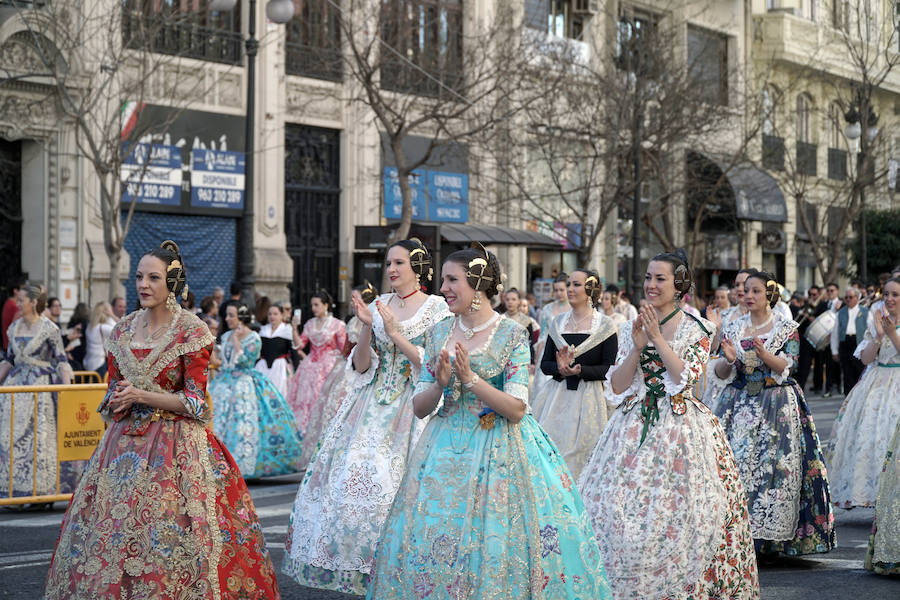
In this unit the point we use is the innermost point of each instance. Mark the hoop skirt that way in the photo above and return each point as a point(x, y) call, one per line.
point(773, 436)
point(161, 511)
point(486, 511)
point(883, 554)
point(864, 427)
point(251, 418)
point(663, 491)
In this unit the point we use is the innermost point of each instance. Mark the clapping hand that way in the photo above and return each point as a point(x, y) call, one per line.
point(651, 323)
point(714, 316)
point(760, 348)
point(638, 334)
point(564, 360)
point(444, 369)
point(362, 311)
point(463, 370)
point(387, 316)
point(728, 350)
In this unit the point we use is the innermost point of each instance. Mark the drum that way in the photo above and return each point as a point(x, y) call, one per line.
point(819, 332)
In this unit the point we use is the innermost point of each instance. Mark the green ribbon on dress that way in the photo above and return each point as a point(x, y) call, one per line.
point(656, 389)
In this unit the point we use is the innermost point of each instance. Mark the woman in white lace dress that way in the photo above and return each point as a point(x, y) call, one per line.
point(350, 485)
point(868, 418)
point(549, 312)
point(662, 487)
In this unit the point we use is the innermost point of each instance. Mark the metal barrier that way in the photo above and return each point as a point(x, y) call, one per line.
point(71, 425)
point(86, 377)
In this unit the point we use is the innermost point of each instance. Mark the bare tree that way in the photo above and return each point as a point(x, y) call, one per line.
point(98, 62)
point(864, 49)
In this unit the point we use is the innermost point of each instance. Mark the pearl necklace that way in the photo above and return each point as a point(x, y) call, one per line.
point(469, 332)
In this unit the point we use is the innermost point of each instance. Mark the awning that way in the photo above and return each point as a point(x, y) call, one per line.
point(756, 193)
point(459, 233)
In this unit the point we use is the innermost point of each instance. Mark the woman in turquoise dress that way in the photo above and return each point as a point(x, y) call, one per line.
point(251, 416)
point(487, 507)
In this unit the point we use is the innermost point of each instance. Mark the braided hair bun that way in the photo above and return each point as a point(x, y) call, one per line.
point(684, 278)
point(773, 293)
point(366, 291)
point(592, 285)
point(419, 258)
point(483, 271)
point(243, 314)
point(176, 275)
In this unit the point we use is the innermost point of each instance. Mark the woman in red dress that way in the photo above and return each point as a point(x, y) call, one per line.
point(161, 511)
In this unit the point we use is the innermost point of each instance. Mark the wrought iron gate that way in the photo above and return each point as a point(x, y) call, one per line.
point(312, 197)
point(10, 211)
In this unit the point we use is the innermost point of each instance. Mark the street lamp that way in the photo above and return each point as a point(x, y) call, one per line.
point(281, 12)
point(861, 116)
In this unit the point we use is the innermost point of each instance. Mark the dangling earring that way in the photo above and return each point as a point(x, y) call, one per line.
point(171, 303)
point(475, 306)
point(419, 281)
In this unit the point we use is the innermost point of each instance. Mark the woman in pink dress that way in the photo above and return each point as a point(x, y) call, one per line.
point(326, 337)
point(161, 511)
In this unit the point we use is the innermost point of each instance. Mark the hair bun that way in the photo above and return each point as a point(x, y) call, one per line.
point(680, 253)
point(171, 246)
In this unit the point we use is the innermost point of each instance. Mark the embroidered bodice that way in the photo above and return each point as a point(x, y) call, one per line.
point(244, 357)
point(329, 339)
point(177, 364)
point(502, 361)
point(749, 371)
point(691, 343)
point(390, 369)
point(40, 351)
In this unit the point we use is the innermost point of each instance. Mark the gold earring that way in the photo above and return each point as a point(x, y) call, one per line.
point(475, 306)
point(171, 303)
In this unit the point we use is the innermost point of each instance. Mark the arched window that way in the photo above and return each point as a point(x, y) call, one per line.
point(804, 119)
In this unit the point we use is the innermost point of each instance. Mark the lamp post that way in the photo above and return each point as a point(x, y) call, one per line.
point(281, 12)
point(861, 117)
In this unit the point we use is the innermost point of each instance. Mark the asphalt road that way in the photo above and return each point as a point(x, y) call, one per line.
point(27, 540)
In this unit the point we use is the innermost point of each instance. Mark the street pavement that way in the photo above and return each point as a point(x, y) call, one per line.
point(27, 540)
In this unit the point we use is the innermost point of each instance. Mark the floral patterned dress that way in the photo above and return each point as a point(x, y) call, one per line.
point(326, 343)
point(37, 357)
point(662, 487)
point(161, 511)
point(773, 436)
point(251, 418)
point(349, 487)
point(487, 509)
point(864, 427)
point(333, 392)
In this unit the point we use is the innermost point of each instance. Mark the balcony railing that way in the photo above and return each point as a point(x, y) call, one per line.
point(837, 164)
point(310, 61)
point(773, 153)
point(806, 158)
point(180, 37)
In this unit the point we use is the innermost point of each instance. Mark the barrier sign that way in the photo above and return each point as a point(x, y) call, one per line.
point(151, 174)
point(217, 178)
point(79, 427)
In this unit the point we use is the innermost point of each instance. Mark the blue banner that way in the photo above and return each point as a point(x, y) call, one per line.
point(393, 200)
point(448, 197)
point(151, 174)
point(217, 179)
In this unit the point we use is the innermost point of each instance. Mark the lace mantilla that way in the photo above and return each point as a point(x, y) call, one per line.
point(602, 327)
